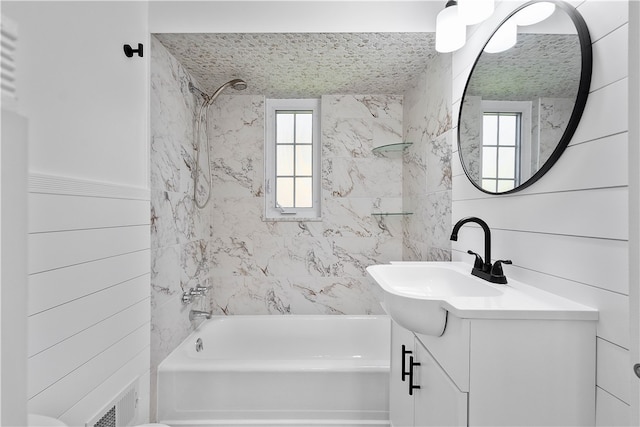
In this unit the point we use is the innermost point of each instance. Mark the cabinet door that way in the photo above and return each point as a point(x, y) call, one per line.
point(400, 403)
point(438, 402)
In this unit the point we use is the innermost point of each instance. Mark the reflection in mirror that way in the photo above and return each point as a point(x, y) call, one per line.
point(524, 97)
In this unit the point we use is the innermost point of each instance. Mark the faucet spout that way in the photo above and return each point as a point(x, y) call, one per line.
point(487, 238)
point(197, 314)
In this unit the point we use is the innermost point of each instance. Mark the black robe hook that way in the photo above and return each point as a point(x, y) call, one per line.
point(129, 51)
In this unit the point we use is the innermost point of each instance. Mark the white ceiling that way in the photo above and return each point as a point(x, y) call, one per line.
point(304, 65)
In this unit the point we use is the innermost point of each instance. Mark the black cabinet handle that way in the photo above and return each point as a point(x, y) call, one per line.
point(411, 385)
point(404, 358)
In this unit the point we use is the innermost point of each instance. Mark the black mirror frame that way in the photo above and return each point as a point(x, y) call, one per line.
point(581, 97)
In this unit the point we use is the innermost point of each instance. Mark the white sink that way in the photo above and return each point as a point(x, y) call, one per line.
point(414, 292)
point(418, 295)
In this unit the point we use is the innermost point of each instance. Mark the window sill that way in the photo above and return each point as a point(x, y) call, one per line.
point(292, 218)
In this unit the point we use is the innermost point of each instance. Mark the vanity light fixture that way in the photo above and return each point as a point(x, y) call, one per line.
point(451, 32)
point(504, 39)
point(534, 13)
point(475, 11)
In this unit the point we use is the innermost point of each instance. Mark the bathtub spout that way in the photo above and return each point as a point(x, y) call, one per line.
point(196, 314)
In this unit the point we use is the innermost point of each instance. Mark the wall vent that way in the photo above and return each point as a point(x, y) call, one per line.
point(120, 412)
point(8, 51)
point(108, 419)
point(126, 407)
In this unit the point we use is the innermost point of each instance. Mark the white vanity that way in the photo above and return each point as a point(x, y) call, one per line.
point(498, 355)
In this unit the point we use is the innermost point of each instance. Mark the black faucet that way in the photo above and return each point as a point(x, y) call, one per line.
point(483, 269)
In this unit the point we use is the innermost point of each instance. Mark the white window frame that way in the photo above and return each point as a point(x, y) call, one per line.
point(273, 212)
point(525, 148)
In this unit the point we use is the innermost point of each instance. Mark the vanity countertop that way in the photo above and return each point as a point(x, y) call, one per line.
point(514, 300)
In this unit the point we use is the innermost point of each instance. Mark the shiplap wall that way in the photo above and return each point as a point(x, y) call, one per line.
point(568, 233)
point(88, 289)
point(88, 295)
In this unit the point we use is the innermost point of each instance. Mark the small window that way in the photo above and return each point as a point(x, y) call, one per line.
point(505, 144)
point(292, 156)
point(500, 151)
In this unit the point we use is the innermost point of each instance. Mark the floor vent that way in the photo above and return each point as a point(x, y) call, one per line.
point(121, 412)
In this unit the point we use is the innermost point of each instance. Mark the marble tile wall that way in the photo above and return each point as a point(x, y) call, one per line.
point(471, 135)
point(308, 267)
point(426, 190)
point(554, 114)
point(180, 232)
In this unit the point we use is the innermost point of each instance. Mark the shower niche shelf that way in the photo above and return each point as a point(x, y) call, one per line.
point(392, 148)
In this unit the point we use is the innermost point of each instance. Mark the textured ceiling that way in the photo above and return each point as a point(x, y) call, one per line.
point(539, 65)
point(304, 65)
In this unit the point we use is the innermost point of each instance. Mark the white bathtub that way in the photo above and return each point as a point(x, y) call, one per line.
point(279, 371)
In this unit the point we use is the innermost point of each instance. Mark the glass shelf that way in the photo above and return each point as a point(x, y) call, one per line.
point(391, 148)
point(391, 213)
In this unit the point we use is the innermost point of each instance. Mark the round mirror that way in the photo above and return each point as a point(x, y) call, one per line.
point(524, 97)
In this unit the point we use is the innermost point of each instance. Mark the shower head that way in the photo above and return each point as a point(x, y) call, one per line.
point(237, 84)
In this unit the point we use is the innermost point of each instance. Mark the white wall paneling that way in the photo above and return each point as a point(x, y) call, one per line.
point(605, 113)
point(610, 59)
point(634, 204)
point(588, 213)
point(13, 252)
point(62, 285)
point(611, 411)
point(46, 253)
point(86, 101)
point(52, 326)
point(52, 364)
point(49, 212)
point(556, 255)
point(70, 389)
point(89, 305)
point(613, 372)
point(601, 24)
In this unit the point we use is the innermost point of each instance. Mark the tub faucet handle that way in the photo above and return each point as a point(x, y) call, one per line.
point(187, 296)
point(202, 289)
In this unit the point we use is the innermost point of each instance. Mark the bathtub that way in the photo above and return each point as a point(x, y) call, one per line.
point(293, 370)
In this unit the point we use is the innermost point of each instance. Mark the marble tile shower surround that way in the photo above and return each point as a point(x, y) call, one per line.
point(427, 120)
point(309, 267)
point(180, 232)
point(470, 131)
point(554, 114)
